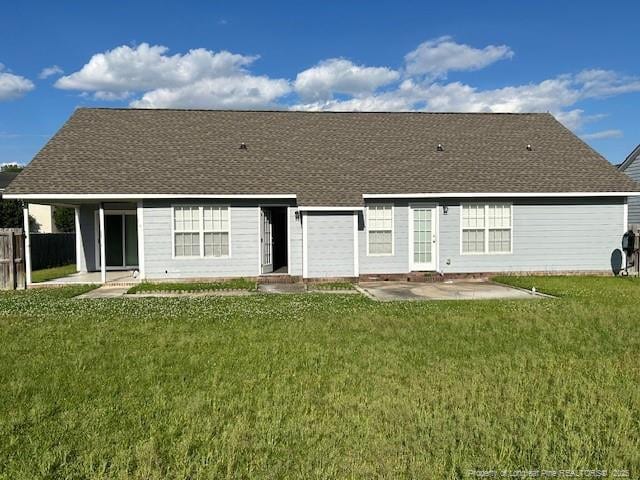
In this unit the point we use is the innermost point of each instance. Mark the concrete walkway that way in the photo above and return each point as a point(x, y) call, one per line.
point(106, 291)
point(450, 290)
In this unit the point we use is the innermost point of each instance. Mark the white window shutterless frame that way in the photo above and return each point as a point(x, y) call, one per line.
point(423, 237)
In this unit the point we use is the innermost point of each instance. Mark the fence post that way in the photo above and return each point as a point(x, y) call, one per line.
point(12, 261)
point(27, 245)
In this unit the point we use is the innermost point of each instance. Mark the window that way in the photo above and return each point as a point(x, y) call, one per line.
point(216, 231)
point(380, 230)
point(201, 231)
point(486, 228)
point(187, 231)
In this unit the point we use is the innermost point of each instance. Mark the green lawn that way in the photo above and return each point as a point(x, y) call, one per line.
point(234, 284)
point(319, 386)
point(51, 273)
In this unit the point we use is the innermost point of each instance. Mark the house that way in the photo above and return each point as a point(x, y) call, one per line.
point(41, 215)
point(5, 180)
point(631, 166)
point(199, 194)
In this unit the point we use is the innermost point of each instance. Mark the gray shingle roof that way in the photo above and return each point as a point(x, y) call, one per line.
point(6, 178)
point(323, 158)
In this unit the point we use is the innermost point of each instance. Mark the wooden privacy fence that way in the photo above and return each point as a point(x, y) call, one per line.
point(12, 264)
point(52, 250)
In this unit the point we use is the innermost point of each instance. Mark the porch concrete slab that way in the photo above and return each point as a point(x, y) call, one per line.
point(450, 290)
point(84, 278)
point(106, 291)
point(282, 288)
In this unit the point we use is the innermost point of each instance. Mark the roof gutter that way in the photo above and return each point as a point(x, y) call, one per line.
point(498, 194)
point(138, 196)
point(330, 209)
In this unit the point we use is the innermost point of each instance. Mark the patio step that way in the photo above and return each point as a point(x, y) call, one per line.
point(268, 279)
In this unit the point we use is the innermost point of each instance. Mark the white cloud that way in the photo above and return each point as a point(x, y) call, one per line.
point(437, 57)
point(13, 86)
point(338, 75)
point(603, 134)
point(198, 78)
point(148, 77)
point(556, 95)
point(242, 92)
point(49, 71)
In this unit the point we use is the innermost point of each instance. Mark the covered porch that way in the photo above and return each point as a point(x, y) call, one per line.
point(108, 242)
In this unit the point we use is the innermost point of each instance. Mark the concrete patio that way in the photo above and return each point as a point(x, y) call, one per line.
point(120, 277)
point(451, 290)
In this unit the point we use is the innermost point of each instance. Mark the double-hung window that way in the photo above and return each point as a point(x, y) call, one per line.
point(201, 231)
point(216, 231)
point(380, 229)
point(486, 228)
point(187, 231)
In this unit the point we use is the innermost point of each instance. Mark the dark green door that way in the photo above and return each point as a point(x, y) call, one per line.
point(113, 240)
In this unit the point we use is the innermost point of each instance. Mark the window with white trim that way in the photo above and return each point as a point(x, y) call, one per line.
point(216, 231)
point(201, 231)
point(486, 228)
point(187, 231)
point(380, 229)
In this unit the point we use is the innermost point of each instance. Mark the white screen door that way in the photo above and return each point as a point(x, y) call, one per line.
point(423, 238)
point(266, 239)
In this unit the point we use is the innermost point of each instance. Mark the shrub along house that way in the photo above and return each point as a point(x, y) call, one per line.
point(196, 194)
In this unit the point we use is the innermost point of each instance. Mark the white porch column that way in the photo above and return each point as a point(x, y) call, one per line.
point(356, 252)
point(27, 244)
point(140, 218)
point(103, 250)
point(305, 245)
point(79, 250)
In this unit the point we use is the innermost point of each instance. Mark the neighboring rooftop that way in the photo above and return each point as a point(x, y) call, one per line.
point(327, 159)
point(630, 159)
point(6, 178)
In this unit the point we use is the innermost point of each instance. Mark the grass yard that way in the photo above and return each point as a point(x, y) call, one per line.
point(47, 274)
point(233, 284)
point(319, 386)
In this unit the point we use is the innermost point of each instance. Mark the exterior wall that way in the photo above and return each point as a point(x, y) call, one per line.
point(399, 261)
point(563, 234)
point(633, 170)
point(295, 243)
point(330, 246)
point(43, 216)
point(87, 261)
point(158, 243)
point(566, 234)
point(548, 235)
point(244, 259)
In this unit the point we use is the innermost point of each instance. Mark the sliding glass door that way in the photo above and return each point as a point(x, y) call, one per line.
point(121, 240)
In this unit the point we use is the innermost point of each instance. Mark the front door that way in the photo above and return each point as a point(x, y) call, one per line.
point(266, 240)
point(423, 238)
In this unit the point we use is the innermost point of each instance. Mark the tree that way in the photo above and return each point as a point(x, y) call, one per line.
point(65, 219)
point(11, 210)
point(11, 167)
point(11, 214)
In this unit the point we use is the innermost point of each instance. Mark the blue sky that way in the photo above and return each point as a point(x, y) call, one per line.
point(578, 60)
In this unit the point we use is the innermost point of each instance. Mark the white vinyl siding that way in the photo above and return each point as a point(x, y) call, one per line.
point(486, 228)
point(380, 230)
point(201, 231)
